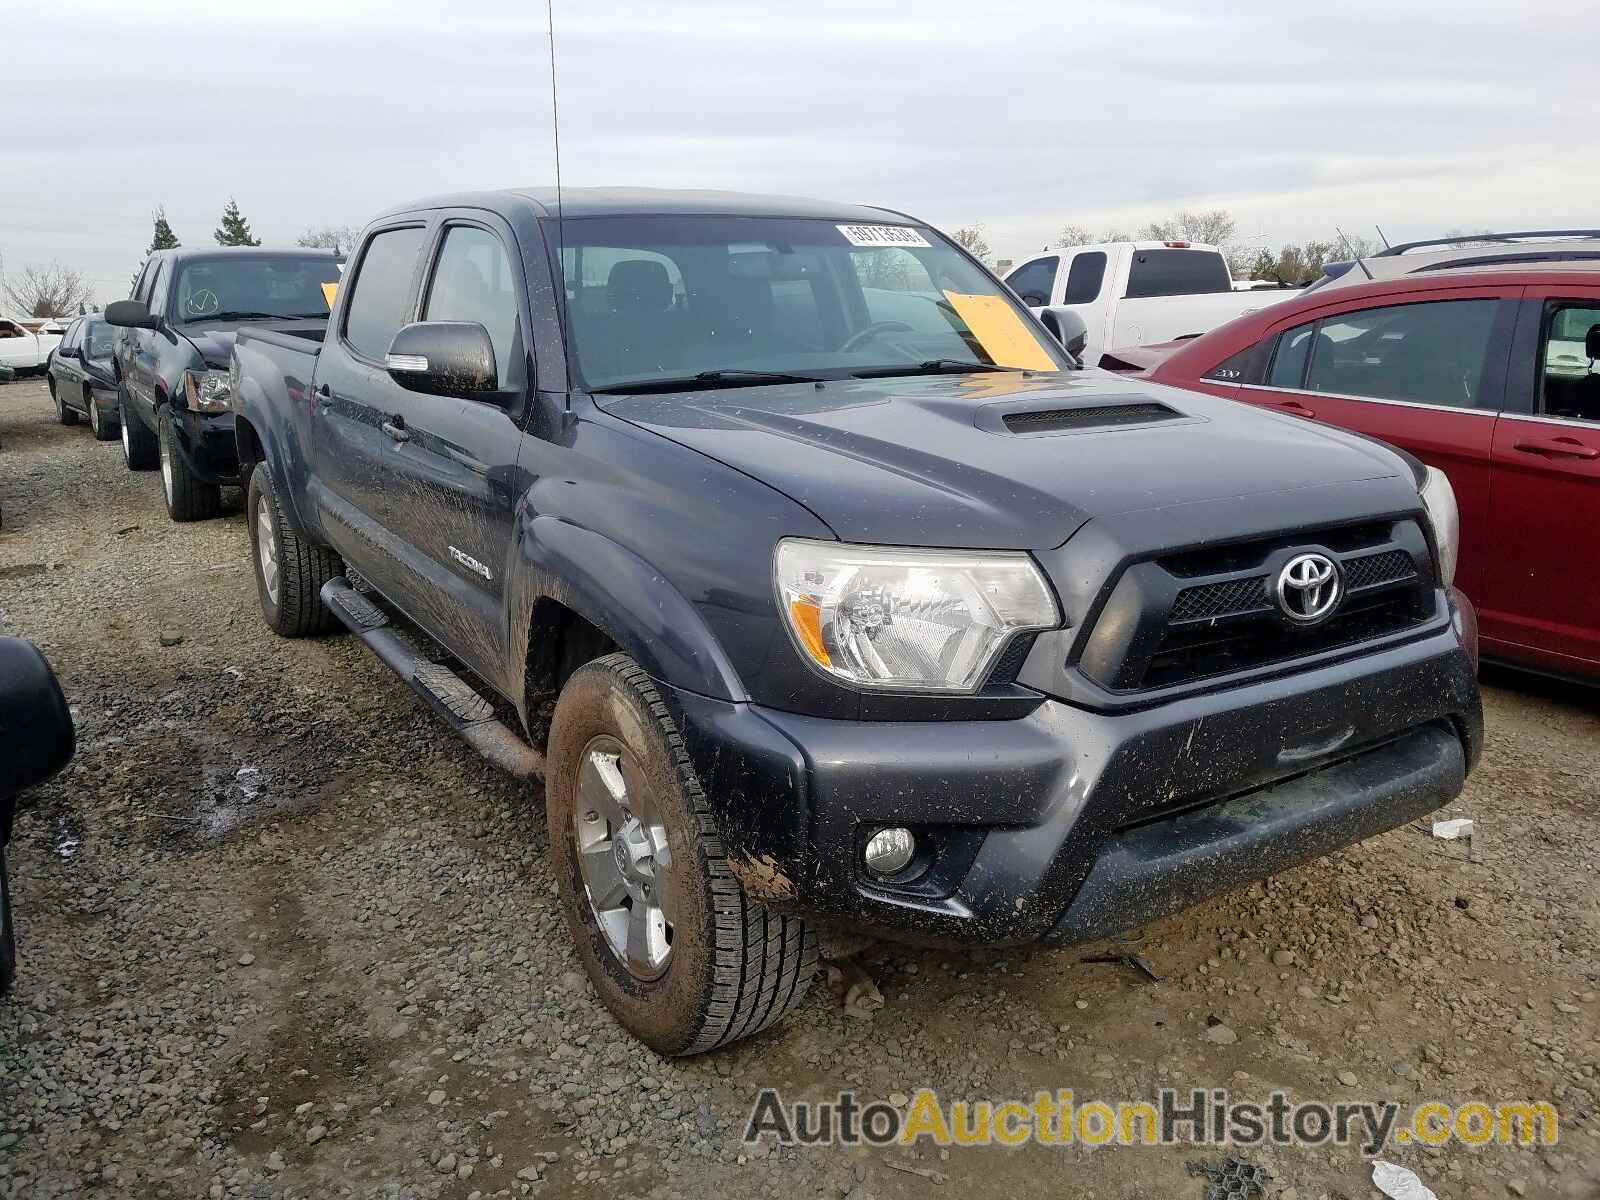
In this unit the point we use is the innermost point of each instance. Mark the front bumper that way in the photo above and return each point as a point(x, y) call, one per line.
point(1068, 824)
point(206, 442)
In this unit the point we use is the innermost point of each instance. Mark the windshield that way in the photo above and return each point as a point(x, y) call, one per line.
point(236, 288)
point(99, 341)
point(657, 301)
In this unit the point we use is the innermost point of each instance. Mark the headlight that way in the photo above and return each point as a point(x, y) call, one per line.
point(207, 391)
point(930, 620)
point(1439, 498)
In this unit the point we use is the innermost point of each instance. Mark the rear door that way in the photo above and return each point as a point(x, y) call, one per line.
point(1542, 591)
point(354, 403)
point(455, 473)
point(1424, 372)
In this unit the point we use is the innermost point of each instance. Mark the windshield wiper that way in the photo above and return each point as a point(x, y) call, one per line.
point(729, 378)
point(932, 366)
point(239, 314)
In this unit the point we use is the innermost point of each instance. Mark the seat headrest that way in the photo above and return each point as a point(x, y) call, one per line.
point(638, 283)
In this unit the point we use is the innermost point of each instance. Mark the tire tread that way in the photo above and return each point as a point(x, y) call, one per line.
point(762, 961)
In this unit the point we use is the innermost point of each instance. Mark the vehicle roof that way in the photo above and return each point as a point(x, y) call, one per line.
point(631, 201)
point(1193, 357)
point(183, 253)
point(1586, 273)
point(1174, 244)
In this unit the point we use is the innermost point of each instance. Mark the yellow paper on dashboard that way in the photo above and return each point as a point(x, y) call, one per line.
point(1001, 332)
point(329, 290)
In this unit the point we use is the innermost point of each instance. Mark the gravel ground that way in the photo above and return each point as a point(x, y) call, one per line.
point(282, 936)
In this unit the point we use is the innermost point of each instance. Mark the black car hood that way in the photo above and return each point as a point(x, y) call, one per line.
point(215, 341)
point(930, 460)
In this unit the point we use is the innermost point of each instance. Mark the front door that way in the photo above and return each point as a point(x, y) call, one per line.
point(354, 402)
point(455, 472)
point(1542, 596)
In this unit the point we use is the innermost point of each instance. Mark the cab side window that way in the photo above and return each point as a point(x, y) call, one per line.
point(473, 281)
point(1569, 376)
point(9, 329)
point(380, 294)
point(1032, 281)
point(1431, 353)
point(1084, 277)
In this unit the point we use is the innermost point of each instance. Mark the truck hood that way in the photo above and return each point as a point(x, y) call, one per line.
point(214, 342)
point(931, 461)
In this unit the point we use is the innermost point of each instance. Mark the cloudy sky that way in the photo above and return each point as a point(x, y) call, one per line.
point(1021, 115)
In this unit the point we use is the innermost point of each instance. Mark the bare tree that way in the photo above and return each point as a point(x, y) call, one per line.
point(52, 290)
point(330, 237)
point(1078, 235)
point(1215, 227)
point(971, 238)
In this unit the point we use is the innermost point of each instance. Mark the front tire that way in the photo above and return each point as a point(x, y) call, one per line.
point(289, 570)
point(63, 414)
point(139, 449)
point(188, 497)
point(685, 961)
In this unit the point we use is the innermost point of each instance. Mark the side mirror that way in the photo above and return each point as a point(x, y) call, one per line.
point(131, 314)
point(1069, 327)
point(36, 734)
point(444, 358)
point(1591, 342)
point(65, 352)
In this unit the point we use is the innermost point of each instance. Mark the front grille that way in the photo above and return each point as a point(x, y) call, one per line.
point(1185, 656)
point(1198, 615)
point(1103, 416)
point(1378, 570)
point(1210, 601)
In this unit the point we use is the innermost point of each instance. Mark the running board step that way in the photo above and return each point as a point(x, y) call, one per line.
point(455, 700)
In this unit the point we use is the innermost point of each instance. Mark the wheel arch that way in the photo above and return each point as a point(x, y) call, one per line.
point(575, 595)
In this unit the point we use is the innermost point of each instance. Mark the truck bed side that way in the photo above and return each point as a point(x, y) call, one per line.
point(274, 373)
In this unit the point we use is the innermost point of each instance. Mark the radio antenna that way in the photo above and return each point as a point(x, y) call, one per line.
point(1351, 251)
point(1381, 238)
point(555, 130)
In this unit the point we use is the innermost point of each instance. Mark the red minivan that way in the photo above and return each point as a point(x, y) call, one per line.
point(1489, 374)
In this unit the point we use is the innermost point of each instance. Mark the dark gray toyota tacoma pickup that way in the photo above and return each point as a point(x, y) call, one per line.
point(818, 583)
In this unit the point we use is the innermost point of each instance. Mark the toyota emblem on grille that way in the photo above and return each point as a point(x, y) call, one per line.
point(1308, 588)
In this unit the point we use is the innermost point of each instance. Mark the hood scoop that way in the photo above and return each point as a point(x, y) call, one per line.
point(1081, 418)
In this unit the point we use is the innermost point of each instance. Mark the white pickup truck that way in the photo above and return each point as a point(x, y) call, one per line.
point(1136, 293)
point(21, 348)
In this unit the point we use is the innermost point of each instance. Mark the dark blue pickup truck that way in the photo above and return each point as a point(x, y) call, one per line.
point(819, 583)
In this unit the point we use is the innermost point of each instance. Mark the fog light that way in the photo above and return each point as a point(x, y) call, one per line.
point(889, 850)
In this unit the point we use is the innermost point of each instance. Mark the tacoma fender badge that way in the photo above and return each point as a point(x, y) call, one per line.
point(470, 563)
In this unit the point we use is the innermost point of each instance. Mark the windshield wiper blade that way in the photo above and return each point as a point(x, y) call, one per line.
point(686, 383)
point(932, 366)
point(238, 314)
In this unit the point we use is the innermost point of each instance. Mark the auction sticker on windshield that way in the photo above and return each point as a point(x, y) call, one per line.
point(881, 235)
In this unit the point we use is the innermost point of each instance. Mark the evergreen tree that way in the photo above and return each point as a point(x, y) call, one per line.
point(164, 239)
point(234, 230)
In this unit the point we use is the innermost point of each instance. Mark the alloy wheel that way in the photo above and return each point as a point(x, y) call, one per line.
point(625, 859)
point(267, 551)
